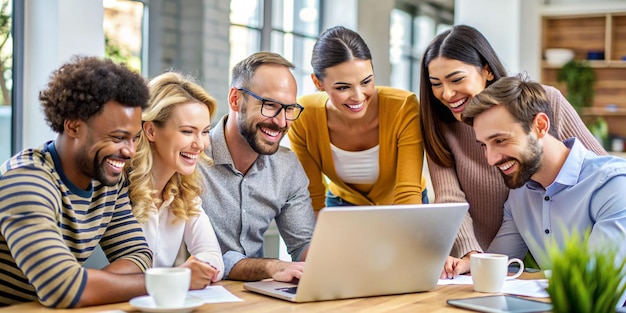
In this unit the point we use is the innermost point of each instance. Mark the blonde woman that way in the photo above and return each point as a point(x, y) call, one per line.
point(164, 188)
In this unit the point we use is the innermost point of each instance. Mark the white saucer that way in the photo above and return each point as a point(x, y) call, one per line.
point(146, 304)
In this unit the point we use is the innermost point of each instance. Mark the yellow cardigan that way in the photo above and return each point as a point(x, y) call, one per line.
point(401, 151)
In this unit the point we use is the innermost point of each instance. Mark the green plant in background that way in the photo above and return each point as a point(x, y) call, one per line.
point(6, 53)
point(120, 54)
point(579, 79)
point(599, 128)
point(585, 278)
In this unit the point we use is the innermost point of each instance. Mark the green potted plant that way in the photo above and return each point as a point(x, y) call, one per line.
point(580, 79)
point(585, 278)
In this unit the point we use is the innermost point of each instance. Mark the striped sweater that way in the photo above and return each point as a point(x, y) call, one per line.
point(49, 227)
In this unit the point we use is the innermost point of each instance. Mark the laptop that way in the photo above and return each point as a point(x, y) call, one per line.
point(363, 251)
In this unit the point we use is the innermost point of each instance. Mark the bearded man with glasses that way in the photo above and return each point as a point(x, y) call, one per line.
point(254, 180)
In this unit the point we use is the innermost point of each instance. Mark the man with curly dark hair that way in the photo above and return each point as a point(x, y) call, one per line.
point(59, 201)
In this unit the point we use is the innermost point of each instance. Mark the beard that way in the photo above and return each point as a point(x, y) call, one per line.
point(95, 169)
point(251, 133)
point(528, 163)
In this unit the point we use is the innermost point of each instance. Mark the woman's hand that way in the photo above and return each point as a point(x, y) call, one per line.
point(455, 267)
point(202, 273)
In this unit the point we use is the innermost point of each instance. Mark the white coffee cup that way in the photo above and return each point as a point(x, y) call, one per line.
point(489, 271)
point(168, 286)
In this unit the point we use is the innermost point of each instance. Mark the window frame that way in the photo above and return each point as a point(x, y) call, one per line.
point(266, 31)
point(442, 19)
point(17, 91)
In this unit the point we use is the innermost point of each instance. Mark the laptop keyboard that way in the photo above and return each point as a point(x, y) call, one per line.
point(291, 290)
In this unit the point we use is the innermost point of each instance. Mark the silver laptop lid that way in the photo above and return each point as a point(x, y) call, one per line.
point(360, 251)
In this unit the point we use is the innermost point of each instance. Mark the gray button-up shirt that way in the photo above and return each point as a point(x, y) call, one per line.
point(241, 207)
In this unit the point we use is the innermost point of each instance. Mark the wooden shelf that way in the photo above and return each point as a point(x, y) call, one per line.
point(618, 154)
point(606, 111)
point(592, 63)
point(583, 32)
point(617, 64)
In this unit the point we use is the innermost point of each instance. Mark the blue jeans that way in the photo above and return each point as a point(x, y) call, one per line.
point(333, 200)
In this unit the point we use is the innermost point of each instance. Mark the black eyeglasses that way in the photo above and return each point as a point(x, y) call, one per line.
point(271, 108)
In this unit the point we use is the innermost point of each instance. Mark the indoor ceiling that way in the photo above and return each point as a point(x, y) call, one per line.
point(446, 4)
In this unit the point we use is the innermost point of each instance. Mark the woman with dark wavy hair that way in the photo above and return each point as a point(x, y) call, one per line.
point(458, 64)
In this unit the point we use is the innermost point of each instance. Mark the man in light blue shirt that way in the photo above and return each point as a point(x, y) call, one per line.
point(587, 193)
point(556, 186)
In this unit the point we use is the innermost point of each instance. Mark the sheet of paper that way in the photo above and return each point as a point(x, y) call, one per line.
point(215, 294)
point(522, 287)
point(460, 280)
point(535, 288)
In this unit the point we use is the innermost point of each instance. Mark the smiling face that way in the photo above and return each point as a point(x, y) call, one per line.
point(454, 82)
point(178, 143)
point(350, 87)
point(272, 82)
point(507, 146)
point(108, 144)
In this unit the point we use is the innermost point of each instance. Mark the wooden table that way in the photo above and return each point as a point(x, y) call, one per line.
point(432, 301)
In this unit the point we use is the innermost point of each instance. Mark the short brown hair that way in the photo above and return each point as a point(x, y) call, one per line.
point(521, 97)
point(244, 70)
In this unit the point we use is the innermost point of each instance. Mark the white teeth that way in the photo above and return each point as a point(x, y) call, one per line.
point(458, 103)
point(506, 165)
point(117, 164)
point(270, 132)
point(355, 106)
point(187, 155)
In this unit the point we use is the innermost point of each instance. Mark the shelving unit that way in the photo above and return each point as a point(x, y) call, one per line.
point(599, 31)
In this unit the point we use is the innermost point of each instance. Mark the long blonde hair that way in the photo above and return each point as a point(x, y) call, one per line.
point(166, 90)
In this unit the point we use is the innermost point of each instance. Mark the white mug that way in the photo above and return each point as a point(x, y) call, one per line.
point(168, 286)
point(489, 271)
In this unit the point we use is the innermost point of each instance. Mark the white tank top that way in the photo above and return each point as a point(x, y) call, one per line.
point(356, 167)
